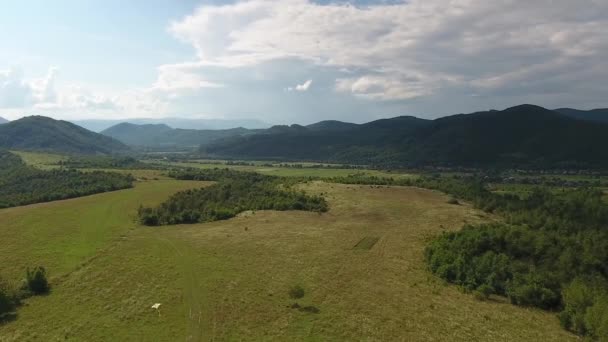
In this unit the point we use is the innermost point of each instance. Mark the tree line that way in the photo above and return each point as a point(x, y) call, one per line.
point(550, 251)
point(234, 192)
point(21, 184)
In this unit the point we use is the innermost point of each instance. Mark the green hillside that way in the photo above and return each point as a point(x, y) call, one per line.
point(45, 134)
point(355, 145)
point(525, 135)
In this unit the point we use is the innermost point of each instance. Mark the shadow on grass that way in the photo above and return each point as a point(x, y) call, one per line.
point(7, 317)
point(309, 308)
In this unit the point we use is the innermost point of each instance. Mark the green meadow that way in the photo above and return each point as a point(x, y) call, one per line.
point(360, 264)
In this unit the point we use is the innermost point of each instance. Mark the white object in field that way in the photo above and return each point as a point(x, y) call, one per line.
point(157, 308)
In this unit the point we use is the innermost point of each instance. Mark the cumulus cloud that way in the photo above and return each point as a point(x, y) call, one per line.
point(301, 87)
point(15, 91)
point(384, 58)
point(484, 45)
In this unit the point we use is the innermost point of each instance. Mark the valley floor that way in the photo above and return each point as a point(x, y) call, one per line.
point(228, 280)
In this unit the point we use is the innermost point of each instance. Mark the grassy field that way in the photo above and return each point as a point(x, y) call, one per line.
point(360, 264)
point(41, 160)
point(292, 171)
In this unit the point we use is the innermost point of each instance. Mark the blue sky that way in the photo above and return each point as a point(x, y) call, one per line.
point(298, 61)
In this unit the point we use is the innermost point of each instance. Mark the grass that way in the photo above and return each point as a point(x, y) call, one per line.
point(41, 160)
point(291, 172)
point(229, 280)
point(367, 242)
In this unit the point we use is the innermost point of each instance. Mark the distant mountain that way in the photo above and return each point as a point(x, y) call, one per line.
point(165, 137)
point(46, 134)
point(332, 141)
point(331, 125)
point(524, 135)
point(207, 124)
point(3, 120)
point(521, 135)
point(597, 115)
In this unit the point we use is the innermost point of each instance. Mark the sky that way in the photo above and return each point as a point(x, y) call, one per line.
point(298, 61)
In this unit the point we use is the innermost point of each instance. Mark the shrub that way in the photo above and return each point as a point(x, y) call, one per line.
point(452, 200)
point(484, 291)
point(36, 281)
point(296, 292)
point(7, 300)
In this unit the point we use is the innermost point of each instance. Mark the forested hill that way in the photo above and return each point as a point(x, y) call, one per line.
point(356, 145)
point(3, 120)
point(46, 134)
point(524, 135)
point(163, 136)
point(597, 115)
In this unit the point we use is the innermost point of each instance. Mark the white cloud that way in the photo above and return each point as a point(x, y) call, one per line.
point(383, 57)
point(301, 87)
point(382, 88)
point(20, 96)
point(466, 43)
point(304, 86)
point(15, 91)
point(175, 78)
point(43, 89)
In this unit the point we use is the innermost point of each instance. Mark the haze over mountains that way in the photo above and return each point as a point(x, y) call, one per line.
point(161, 136)
point(184, 123)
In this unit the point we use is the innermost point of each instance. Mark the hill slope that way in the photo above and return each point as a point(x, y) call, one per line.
point(163, 136)
point(522, 135)
point(46, 134)
point(331, 125)
point(525, 135)
point(322, 141)
point(597, 115)
point(3, 120)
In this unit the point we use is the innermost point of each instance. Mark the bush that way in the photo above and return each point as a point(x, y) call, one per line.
point(454, 201)
point(7, 300)
point(484, 291)
point(296, 292)
point(36, 281)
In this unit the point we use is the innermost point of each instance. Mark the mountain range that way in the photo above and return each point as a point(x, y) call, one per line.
point(161, 136)
point(184, 123)
point(46, 134)
point(595, 115)
point(524, 135)
point(3, 120)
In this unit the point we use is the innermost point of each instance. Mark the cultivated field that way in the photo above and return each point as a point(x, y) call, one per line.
point(361, 265)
